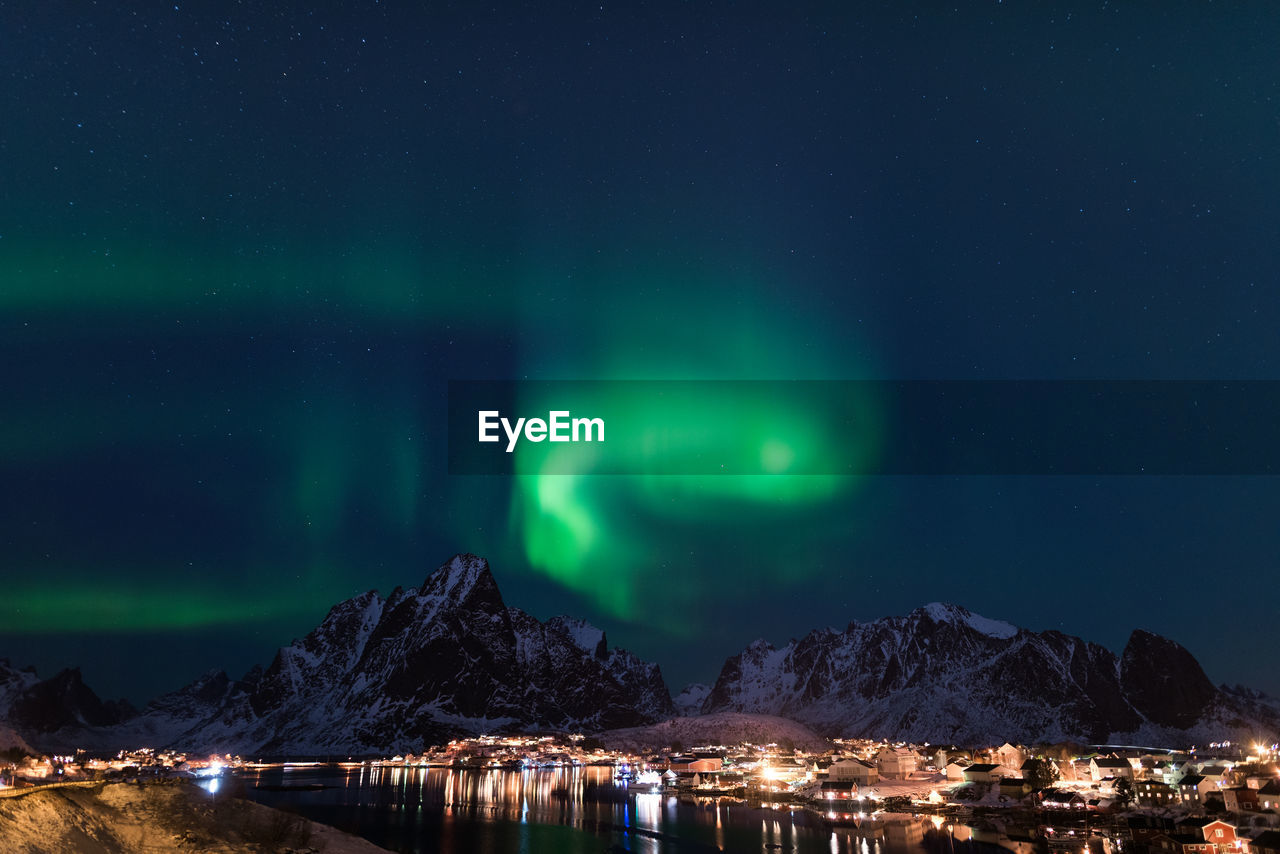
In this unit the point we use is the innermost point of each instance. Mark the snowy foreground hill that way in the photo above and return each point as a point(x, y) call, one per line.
point(388, 675)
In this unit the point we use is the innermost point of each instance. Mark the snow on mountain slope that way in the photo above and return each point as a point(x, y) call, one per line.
point(381, 676)
point(943, 613)
point(424, 664)
point(13, 683)
point(689, 701)
point(945, 674)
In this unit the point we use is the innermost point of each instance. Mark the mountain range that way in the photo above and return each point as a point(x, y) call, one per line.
point(447, 658)
point(944, 674)
point(377, 676)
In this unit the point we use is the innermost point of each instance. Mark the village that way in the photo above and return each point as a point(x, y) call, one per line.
point(1224, 799)
point(19, 772)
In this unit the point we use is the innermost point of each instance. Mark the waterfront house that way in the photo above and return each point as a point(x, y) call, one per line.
point(853, 770)
point(1221, 835)
point(1010, 756)
point(1240, 799)
point(1172, 772)
point(1193, 788)
point(695, 764)
point(1109, 769)
point(1219, 775)
point(839, 790)
point(1059, 799)
point(896, 763)
point(1154, 793)
point(986, 773)
point(1198, 837)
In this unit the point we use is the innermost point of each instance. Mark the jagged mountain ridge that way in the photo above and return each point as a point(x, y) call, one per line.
point(390, 675)
point(942, 673)
point(424, 664)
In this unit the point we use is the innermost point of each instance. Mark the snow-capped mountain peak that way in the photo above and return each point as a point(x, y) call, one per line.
point(460, 577)
point(423, 665)
point(942, 612)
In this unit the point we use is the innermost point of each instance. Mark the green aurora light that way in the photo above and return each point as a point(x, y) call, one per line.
point(595, 533)
point(341, 454)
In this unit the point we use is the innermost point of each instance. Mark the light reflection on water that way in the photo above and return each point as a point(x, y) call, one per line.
point(563, 810)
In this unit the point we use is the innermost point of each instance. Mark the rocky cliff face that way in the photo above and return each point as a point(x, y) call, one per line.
point(943, 673)
point(1164, 682)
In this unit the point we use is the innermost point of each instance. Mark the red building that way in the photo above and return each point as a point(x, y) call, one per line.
point(1213, 837)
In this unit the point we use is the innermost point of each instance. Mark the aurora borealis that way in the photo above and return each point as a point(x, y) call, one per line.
point(242, 252)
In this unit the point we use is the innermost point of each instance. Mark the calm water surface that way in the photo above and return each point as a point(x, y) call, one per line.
point(569, 810)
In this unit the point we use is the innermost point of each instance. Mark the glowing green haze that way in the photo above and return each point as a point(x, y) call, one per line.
point(596, 533)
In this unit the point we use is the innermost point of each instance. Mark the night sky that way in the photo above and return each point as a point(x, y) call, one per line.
point(242, 251)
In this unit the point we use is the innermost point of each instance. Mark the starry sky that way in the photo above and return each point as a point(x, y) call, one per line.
point(244, 248)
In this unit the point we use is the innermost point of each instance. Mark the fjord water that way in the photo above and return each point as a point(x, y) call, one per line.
point(571, 810)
